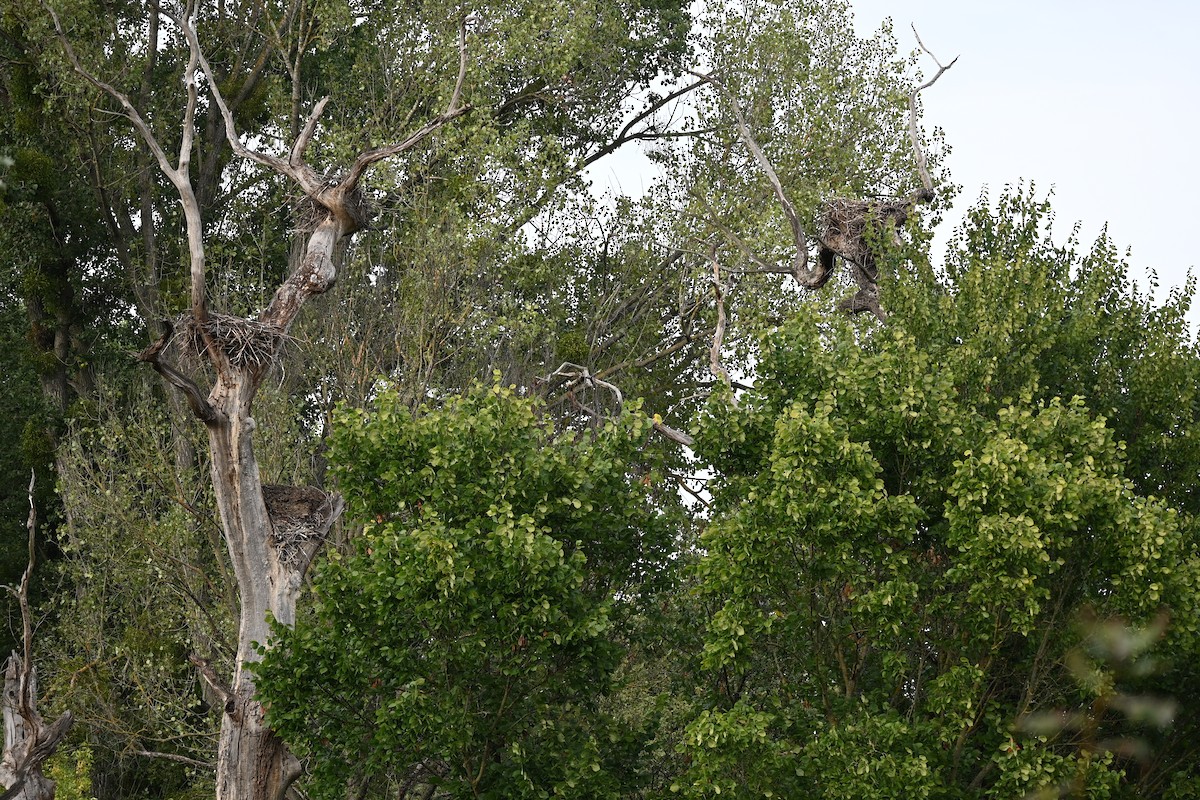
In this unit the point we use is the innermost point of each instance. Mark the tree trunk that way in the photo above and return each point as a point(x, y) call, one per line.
point(272, 534)
point(27, 742)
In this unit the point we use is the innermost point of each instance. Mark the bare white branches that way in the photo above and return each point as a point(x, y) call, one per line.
point(343, 210)
point(455, 109)
point(913, 133)
point(578, 376)
point(799, 267)
point(178, 173)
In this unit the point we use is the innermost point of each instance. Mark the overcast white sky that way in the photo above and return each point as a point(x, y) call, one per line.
point(1099, 100)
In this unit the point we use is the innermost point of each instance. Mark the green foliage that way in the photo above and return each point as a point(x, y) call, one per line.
point(148, 589)
point(514, 556)
point(907, 522)
point(71, 771)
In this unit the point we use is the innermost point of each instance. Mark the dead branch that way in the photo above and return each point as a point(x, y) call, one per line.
point(677, 436)
point(191, 762)
point(28, 741)
point(454, 110)
point(204, 667)
point(628, 134)
point(308, 179)
point(152, 355)
point(580, 376)
point(177, 174)
point(914, 135)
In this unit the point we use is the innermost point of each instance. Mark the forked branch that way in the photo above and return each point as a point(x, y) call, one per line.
point(913, 133)
point(455, 109)
point(576, 375)
point(294, 167)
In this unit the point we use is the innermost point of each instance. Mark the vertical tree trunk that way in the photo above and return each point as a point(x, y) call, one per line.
point(252, 764)
point(270, 544)
point(271, 539)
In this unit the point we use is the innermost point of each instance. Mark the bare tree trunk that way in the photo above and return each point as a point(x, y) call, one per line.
point(271, 546)
point(28, 742)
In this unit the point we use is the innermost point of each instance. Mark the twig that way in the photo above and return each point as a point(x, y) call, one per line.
point(174, 757)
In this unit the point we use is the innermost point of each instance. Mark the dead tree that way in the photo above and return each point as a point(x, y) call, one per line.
point(28, 740)
point(273, 533)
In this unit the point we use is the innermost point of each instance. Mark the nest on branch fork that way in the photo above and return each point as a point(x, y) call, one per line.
point(247, 343)
point(854, 229)
point(299, 518)
point(308, 213)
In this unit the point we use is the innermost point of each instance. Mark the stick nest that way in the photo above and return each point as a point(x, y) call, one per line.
point(299, 519)
point(848, 226)
point(308, 213)
point(247, 343)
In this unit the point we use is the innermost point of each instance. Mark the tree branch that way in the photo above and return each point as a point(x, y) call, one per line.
point(192, 762)
point(195, 398)
point(204, 667)
point(914, 135)
point(310, 127)
point(799, 237)
point(454, 110)
point(178, 175)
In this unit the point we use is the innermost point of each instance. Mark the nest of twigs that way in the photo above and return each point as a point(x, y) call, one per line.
point(247, 343)
point(298, 519)
point(851, 227)
point(308, 213)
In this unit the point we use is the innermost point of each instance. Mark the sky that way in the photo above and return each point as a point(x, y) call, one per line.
point(1098, 101)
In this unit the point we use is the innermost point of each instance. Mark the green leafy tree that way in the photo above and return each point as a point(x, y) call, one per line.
point(476, 247)
point(467, 641)
point(908, 521)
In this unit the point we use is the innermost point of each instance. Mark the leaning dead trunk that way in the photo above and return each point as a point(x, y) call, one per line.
point(28, 741)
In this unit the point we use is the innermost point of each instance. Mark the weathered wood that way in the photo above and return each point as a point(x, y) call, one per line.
point(28, 741)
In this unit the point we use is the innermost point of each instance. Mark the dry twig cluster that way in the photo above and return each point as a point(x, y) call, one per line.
point(299, 518)
point(245, 342)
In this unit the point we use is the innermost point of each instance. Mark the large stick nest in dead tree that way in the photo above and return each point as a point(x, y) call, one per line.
point(299, 518)
point(851, 227)
point(247, 343)
point(308, 213)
